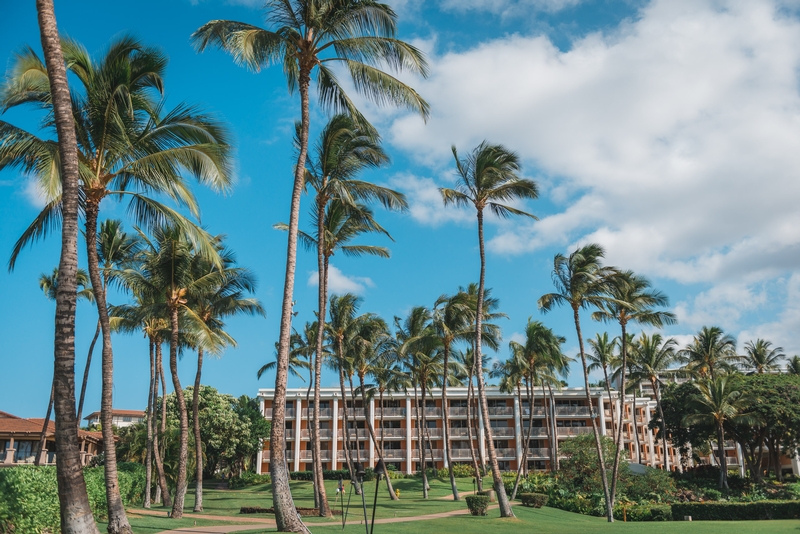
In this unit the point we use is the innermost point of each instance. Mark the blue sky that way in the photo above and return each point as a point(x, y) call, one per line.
point(668, 131)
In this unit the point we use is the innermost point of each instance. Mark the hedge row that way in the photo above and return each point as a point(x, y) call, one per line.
point(535, 500)
point(736, 511)
point(29, 495)
point(477, 504)
point(344, 474)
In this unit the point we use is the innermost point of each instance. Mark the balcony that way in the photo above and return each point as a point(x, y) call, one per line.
point(501, 410)
point(503, 432)
point(289, 413)
point(538, 411)
point(573, 430)
point(430, 454)
point(353, 412)
point(506, 453)
point(390, 412)
point(362, 455)
point(429, 412)
point(394, 454)
point(353, 433)
point(324, 413)
point(538, 432)
point(265, 455)
point(459, 432)
point(390, 433)
point(538, 453)
point(432, 433)
point(307, 455)
point(461, 454)
point(324, 433)
point(583, 411)
point(458, 411)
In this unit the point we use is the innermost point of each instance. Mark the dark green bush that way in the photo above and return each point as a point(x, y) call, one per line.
point(644, 512)
point(737, 511)
point(477, 504)
point(459, 471)
point(536, 500)
point(369, 474)
point(248, 478)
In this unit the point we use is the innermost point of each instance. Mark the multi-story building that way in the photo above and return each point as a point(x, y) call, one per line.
point(119, 418)
point(395, 422)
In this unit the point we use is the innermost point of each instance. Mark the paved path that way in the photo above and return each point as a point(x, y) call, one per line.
point(254, 523)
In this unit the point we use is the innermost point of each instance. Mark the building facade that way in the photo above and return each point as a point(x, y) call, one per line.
point(120, 418)
point(19, 440)
point(397, 424)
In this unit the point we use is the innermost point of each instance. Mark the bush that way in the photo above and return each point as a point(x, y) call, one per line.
point(248, 478)
point(477, 504)
point(536, 500)
point(369, 474)
point(734, 511)
point(459, 471)
point(645, 512)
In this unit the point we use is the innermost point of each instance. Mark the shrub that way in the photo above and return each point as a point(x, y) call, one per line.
point(536, 500)
point(477, 504)
point(459, 471)
point(734, 511)
point(248, 478)
point(644, 512)
point(369, 474)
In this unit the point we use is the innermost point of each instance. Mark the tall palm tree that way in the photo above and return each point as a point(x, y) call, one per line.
point(717, 402)
point(582, 281)
point(487, 178)
point(654, 357)
point(308, 37)
point(603, 357)
point(632, 301)
point(793, 367)
point(206, 311)
point(76, 514)
point(49, 285)
point(710, 353)
point(127, 147)
point(760, 357)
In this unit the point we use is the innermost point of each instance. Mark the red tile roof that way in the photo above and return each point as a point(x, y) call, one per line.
point(11, 424)
point(133, 413)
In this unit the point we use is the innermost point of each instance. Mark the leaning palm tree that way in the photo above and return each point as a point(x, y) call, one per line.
point(308, 37)
point(710, 353)
point(793, 367)
point(128, 147)
point(603, 357)
point(632, 301)
point(487, 178)
point(760, 357)
point(582, 281)
point(49, 285)
point(654, 358)
point(76, 514)
point(717, 402)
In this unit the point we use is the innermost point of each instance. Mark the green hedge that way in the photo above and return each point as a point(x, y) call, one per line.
point(29, 495)
point(736, 511)
point(477, 504)
point(369, 474)
point(536, 500)
point(644, 512)
point(459, 471)
point(248, 478)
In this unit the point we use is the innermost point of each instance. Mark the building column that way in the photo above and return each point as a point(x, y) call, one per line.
point(298, 417)
point(335, 434)
point(481, 433)
point(646, 425)
point(740, 459)
point(518, 432)
point(601, 415)
point(369, 438)
point(259, 458)
point(796, 465)
point(409, 431)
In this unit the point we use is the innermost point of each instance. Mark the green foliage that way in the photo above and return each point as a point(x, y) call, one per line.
point(581, 468)
point(644, 512)
point(734, 511)
point(344, 474)
point(536, 500)
point(248, 478)
point(29, 495)
point(477, 504)
point(459, 471)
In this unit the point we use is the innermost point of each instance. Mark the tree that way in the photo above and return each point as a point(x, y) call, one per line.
point(603, 357)
point(654, 358)
point(793, 367)
point(307, 36)
point(710, 353)
point(487, 178)
point(76, 515)
point(717, 402)
point(760, 357)
point(582, 281)
point(126, 148)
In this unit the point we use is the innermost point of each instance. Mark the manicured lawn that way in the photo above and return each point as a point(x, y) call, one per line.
point(147, 524)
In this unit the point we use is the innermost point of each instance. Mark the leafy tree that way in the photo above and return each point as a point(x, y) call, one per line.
point(674, 402)
point(487, 178)
point(602, 357)
point(793, 367)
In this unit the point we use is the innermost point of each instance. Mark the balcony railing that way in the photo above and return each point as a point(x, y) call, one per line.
point(353, 432)
point(323, 433)
point(430, 454)
point(353, 412)
point(308, 413)
point(429, 412)
point(503, 432)
point(538, 432)
point(390, 412)
point(573, 430)
point(356, 455)
point(307, 455)
point(537, 410)
point(501, 410)
point(394, 454)
point(584, 411)
point(390, 432)
point(461, 454)
point(506, 453)
point(265, 455)
point(459, 432)
point(433, 433)
point(538, 452)
point(289, 413)
point(289, 433)
point(458, 411)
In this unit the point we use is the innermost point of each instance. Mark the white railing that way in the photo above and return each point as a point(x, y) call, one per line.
point(432, 432)
point(307, 455)
point(429, 412)
point(323, 433)
point(584, 411)
point(390, 412)
point(353, 432)
point(506, 453)
point(390, 432)
point(394, 454)
point(573, 430)
point(461, 454)
point(459, 432)
point(457, 411)
point(289, 413)
point(538, 453)
point(502, 432)
point(352, 412)
point(501, 410)
point(355, 455)
point(537, 410)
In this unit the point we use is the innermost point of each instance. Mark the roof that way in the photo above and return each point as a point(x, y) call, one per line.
point(11, 424)
point(132, 413)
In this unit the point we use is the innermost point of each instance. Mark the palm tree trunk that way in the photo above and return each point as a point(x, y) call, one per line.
point(472, 442)
point(420, 443)
point(554, 462)
point(378, 446)
point(499, 487)
point(198, 440)
point(445, 410)
point(526, 437)
point(319, 483)
point(636, 431)
point(45, 424)
point(421, 439)
point(723, 461)
point(345, 418)
point(163, 488)
point(86, 371)
point(76, 514)
point(117, 520)
point(599, 445)
point(309, 412)
point(148, 463)
point(286, 516)
point(663, 430)
point(183, 447)
point(622, 385)
point(610, 406)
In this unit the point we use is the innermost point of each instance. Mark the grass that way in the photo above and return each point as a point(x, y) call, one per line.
point(150, 524)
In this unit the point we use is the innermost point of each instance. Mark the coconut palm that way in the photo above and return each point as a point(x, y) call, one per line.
point(632, 301)
point(603, 357)
point(760, 357)
point(49, 285)
point(654, 358)
point(307, 38)
point(487, 178)
point(793, 367)
point(710, 353)
point(582, 281)
point(127, 147)
point(76, 514)
point(718, 401)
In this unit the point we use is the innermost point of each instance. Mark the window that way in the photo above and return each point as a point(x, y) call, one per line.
point(430, 424)
point(501, 444)
point(497, 403)
point(537, 465)
point(389, 424)
point(392, 445)
point(458, 403)
point(535, 444)
point(499, 423)
point(127, 419)
point(460, 444)
point(392, 403)
point(458, 423)
point(504, 466)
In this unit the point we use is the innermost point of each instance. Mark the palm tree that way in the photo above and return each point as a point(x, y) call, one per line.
point(206, 311)
point(717, 402)
point(307, 36)
point(127, 147)
point(486, 179)
point(76, 514)
point(582, 281)
point(632, 301)
point(710, 352)
point(760, 357)
point(603, 357)
point(654, 356)
point(793, 367)
point(49, 285)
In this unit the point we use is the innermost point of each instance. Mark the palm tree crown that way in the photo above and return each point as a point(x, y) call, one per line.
point(760, 357)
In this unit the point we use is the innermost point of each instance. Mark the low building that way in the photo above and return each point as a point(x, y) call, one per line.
point(19, 439)
point(119, 418)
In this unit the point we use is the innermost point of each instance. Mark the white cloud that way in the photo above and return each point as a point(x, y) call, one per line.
point(674, 141)
point(339, 283)
point(425, 201)
point(508, 8)
point(722, 305)
point(34, 193)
